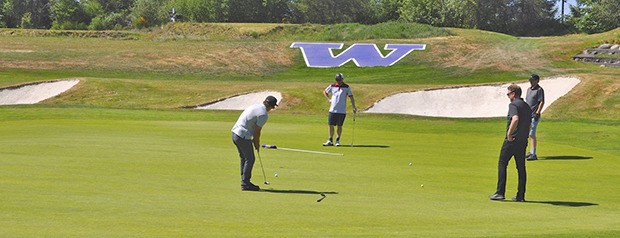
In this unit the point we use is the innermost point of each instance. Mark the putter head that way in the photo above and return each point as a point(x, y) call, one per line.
point(269, 146)
point(267, 182)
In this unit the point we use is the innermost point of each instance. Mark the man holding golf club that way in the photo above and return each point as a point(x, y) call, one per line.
point(246, 136)
point(338, 107)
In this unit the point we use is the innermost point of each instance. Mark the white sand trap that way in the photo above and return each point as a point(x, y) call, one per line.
point(34, 93)
point(242, 101)
point(467, 102)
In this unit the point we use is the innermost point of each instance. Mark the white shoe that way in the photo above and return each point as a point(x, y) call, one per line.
point(328, 143)
point(337, 143)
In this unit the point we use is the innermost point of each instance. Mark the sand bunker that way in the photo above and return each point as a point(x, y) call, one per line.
point(34, 93)
point(466, 102)
point(241, 102)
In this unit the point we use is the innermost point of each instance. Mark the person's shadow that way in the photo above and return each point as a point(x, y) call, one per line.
point(296, 191)
point(371, 146)
point(565, 203)
point(323, 196)
point(565, 157)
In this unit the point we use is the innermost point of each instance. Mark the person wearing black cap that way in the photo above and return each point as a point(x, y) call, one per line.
point(338, 107)
point(536, 99)
point(246, 132)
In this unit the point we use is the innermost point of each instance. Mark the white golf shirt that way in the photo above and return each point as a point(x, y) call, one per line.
point(339, 97)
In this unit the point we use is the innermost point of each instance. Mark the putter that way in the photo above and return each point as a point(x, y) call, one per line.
point(353, 133)
point(261, 167)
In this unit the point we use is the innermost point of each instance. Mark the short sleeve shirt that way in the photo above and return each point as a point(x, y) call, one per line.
point(534, 97)
point(339, 97)
point(255, 115)
point(519, 107)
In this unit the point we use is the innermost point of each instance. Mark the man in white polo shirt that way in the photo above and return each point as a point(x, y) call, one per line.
point(246, 132)
point(338, 107)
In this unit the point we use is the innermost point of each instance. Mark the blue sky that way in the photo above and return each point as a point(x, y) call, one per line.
point(566, 6)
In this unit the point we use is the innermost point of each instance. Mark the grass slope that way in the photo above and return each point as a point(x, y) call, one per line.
point(116, 156)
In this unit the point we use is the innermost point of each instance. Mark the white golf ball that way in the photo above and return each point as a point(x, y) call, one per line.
point(276, 175)
point(410, 164)
point(422, 185)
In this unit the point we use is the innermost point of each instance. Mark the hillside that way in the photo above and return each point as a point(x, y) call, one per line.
point(185, 64)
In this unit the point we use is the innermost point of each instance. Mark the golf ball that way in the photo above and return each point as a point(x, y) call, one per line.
point(275, 175)
point(410, 164)
point(422, 185)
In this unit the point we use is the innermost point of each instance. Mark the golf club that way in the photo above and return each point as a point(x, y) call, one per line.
point(298, 150)
point(353, 133)
point(261, 167)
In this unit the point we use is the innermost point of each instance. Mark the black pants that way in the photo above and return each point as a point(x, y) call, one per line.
point(509, 149)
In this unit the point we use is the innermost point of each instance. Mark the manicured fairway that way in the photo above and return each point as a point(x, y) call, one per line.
point(84, 172)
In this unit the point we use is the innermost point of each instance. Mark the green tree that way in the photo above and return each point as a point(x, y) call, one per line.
point(387, 9)
point(25, 13)
point(453, 13)
point(331, 11)
point(13, 10)
point(517, 17)
point(68, 14)
point(196, 10)
point(148, 13)
point(108, 14)
point(276, 10)
point(593, 16)
point(40, 14)
point(2, 24)
point(246, 11)
point(110, 6)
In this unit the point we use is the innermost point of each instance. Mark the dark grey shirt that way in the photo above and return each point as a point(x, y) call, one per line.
point(519, 107)
point(534, 97)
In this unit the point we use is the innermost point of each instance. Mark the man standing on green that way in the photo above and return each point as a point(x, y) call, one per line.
point(536, 99)
point(515, 143)
point(338, 107)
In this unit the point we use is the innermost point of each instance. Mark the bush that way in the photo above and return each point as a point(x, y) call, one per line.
point(112, 21)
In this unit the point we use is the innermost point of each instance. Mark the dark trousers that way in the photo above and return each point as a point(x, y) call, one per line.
point(246, 154)
point(510, 149)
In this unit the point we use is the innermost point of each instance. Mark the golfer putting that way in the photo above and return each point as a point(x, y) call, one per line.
point(246, 136)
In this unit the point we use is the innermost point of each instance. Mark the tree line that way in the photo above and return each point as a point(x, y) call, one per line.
point(515, 17)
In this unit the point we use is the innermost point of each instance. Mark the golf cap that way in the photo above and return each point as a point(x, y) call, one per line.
point(339, 77)
point(534, 77)
point(272, 101)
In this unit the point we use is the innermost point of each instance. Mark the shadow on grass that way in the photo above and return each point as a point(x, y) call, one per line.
point(296, 191)
point(565, 157)
point(371, 146)
point(565, 204)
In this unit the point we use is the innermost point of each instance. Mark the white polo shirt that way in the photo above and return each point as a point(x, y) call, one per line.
point(339, 97)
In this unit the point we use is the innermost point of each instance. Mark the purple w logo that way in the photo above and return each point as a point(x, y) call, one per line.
point(320, 55)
